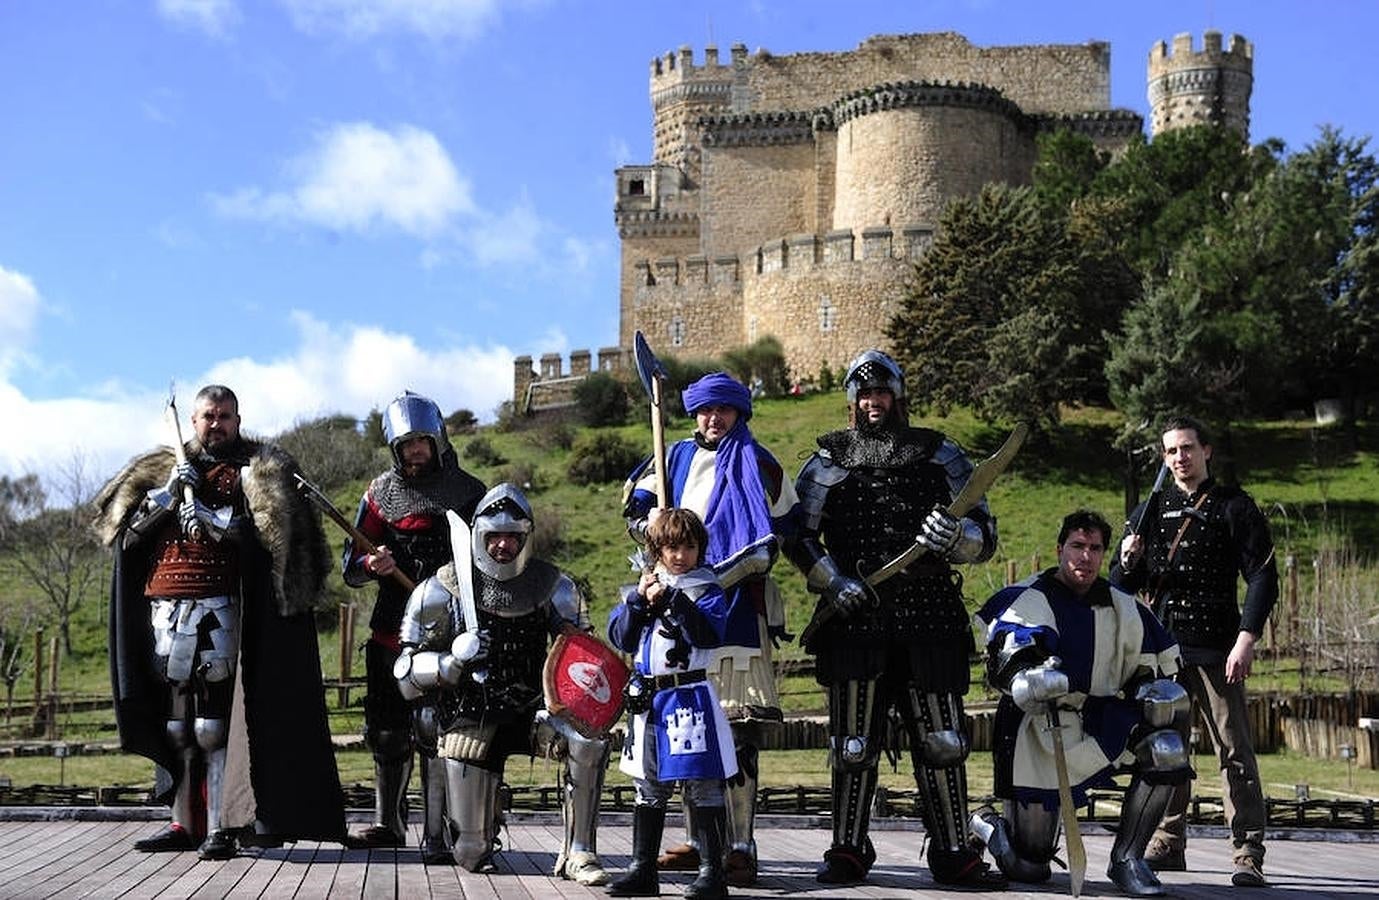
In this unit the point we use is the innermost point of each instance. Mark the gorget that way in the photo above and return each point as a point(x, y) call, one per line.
point(881, 448)
point(517, 596)
point(433, 492)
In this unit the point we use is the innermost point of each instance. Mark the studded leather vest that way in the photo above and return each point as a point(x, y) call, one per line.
point(1194, 593)
point(871, 517)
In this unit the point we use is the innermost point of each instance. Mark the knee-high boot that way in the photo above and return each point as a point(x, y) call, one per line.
point(712, 823)
point(640, 879)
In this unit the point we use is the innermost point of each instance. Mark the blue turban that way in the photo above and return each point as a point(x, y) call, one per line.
point(718, 389)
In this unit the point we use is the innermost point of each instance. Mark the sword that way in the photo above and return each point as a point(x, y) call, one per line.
point(1067, 813)
point(460, 547)
point(322, 502)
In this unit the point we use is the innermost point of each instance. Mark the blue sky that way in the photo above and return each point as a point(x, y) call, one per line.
point(321, 202)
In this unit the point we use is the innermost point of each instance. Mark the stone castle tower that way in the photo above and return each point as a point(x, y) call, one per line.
point(789, 195)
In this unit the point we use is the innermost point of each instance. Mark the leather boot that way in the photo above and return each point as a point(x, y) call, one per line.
point(640, 879)
point(712, 824)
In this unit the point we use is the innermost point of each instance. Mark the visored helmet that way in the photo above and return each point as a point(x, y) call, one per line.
point(504, 509)
point(874, 369)
point(409, 416)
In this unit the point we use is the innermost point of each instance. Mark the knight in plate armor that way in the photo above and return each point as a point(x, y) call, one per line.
point(868, 494)
point(1066, 640)
point(214, 659)
point(474, 642)
point(739, 491)
point(1195, 539)
point(403, 514)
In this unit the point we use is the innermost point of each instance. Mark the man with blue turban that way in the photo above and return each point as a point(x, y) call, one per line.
point(748, 506)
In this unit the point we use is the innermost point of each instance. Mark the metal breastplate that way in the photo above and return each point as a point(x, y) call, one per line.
point(1195, 593)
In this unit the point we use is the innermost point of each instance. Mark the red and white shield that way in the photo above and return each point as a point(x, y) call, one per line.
point(583, 681)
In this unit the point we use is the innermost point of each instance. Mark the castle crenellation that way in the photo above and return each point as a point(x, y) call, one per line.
point(790, 195)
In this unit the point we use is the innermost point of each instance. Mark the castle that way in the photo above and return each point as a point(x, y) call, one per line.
point(790, 195)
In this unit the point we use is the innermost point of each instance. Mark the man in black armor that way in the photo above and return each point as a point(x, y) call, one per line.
point(1193, 540)
point(474, 645)
point(906, 644)
point(403, 514)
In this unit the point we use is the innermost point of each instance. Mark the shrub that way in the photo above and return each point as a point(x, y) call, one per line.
point(602, 400)
point(601, 458)
point(760, 364)
point(331, 451)
point(524, 475)
point(548, 533)
point(481, 451)
point(552, 436)
point(461, 421)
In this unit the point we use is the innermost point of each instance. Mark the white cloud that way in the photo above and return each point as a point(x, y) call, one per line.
point(334, 368)
point(19, 306)
point(359, 176)
point(434, 19)
point(216, 18)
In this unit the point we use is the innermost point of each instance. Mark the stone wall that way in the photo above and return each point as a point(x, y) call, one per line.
point(1212, 86)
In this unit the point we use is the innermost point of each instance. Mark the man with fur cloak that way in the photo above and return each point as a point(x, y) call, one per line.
point(213, 655)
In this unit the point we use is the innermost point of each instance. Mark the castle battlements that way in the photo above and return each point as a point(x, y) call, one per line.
point(1199, 87)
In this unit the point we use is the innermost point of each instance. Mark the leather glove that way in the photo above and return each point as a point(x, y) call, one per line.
point(471, 646)
point(846, 595)
point(1032, 689)
point(939, 532)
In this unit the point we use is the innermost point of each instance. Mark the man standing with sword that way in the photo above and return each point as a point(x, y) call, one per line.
point(903, 642)
point(1084, 672)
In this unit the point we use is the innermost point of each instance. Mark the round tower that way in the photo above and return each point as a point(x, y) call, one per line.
point(681, 92)
point(1211, 86)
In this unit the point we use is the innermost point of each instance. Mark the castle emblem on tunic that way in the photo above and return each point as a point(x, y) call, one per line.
point(686, 730)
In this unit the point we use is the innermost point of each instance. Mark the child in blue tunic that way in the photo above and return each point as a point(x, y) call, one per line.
point(670, 621)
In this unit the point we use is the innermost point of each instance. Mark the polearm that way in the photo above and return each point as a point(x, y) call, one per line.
point(194, 530)
point(981, 479)
point(653, 374)
point(322, 502)
point(1154, 492)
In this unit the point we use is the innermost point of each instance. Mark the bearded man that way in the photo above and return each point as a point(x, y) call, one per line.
point(213, 652)
point(403, 515)
point(904, 644)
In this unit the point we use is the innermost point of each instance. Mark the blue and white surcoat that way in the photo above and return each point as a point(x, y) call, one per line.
point(1107, 643)
point(685, 735)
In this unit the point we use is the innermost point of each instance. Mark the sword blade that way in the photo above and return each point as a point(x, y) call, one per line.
point(1067, 813)
point(460, 543)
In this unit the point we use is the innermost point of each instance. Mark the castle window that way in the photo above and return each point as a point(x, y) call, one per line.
point(677, 332)
point(752, 330)
point(828, 314)
point(636, 187)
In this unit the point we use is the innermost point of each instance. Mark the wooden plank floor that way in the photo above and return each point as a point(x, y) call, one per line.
point(68, 859)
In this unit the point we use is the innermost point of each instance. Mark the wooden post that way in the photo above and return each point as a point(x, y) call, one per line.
point(1290, 568)
point(38, 680)
point(342, 694)
point(53, 660)
point(1034, 561)
point(1010, 571)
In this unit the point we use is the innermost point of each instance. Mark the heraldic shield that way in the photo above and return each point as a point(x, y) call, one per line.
point(583, 681)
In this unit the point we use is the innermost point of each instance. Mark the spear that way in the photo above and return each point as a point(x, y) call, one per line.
point(314, 494)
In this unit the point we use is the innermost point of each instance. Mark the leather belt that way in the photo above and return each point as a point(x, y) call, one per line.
point(674, 679)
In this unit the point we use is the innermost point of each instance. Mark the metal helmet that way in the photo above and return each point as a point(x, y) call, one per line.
point(874, 369)
point(504, 509)
point(410, 416)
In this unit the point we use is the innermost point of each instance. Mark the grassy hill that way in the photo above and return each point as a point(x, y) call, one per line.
point(1319, 486)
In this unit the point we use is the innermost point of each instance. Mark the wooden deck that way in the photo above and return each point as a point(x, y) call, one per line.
point(80, 858)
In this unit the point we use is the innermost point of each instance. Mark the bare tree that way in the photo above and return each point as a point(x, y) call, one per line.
point(55, 548)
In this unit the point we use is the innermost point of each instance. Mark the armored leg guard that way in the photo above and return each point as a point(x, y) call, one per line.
point(740, 801)
point(471, 801)
point(682, 857)
point(713, 826)
point(1022, 851)
point(585, 765)
point(392, 770)
point(640, 879)
point(855, 747)
point(436, 838)
point(211, 735)
point(939, 748)
point(180, 833)
point(1144, 804)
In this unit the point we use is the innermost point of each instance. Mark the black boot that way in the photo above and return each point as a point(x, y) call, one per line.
point(640, 879)
point(712, 824)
